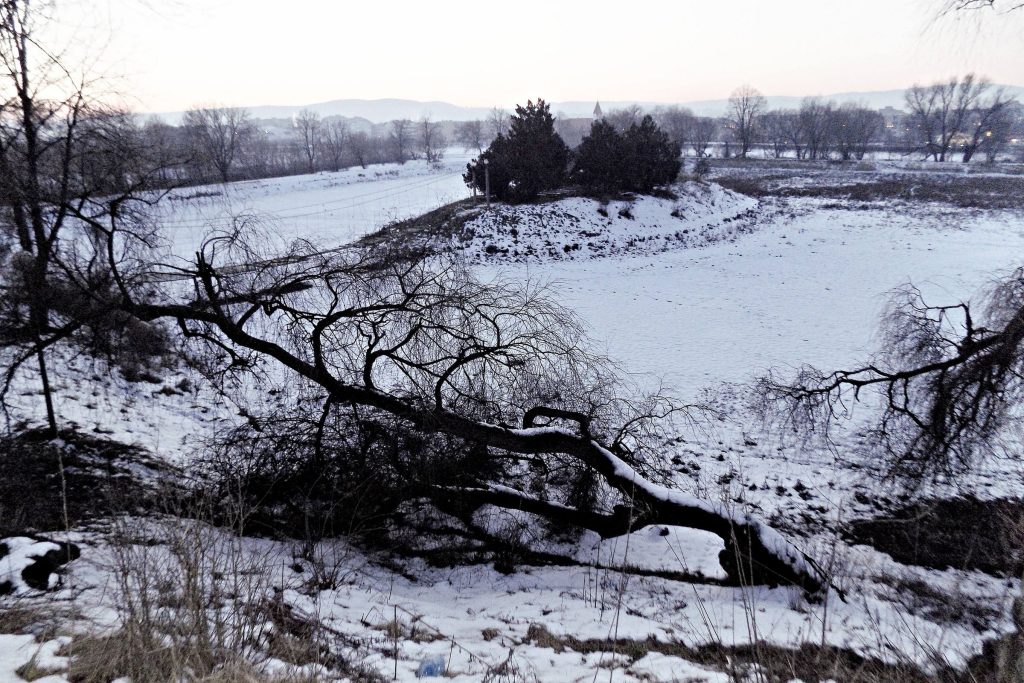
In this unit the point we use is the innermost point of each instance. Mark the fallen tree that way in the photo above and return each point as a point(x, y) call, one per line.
point(497, 366)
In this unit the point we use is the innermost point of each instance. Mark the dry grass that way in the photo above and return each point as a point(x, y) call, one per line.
point(108, 658)
point(197, 603)
point(31, 671)
point(810, 663)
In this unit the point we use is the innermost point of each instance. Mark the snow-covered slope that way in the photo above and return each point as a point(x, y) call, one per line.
point(808, 286)
point(709, 296)
point(579, 228)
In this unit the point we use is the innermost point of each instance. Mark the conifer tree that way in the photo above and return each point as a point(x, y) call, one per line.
point(651, 158)
point(601, 160)
point(532, 158)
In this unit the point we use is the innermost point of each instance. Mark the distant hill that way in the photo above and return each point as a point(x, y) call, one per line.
point(380, 111)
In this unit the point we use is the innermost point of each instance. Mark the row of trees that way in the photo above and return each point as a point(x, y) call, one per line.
point(966, 115)
point(821, 130)
point(963, 115)
point(532, 157)
point(222, 144)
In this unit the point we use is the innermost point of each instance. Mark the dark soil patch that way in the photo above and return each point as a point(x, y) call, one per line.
point(100, 478)
point(416, 233)
point(958, 190)
point(959, 533)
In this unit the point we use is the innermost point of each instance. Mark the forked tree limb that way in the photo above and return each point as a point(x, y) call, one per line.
point(754, 552)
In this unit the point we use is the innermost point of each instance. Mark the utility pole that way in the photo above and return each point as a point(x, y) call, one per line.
point(487, 181)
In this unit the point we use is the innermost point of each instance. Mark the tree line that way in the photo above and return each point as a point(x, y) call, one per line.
point(963, 116)
point(222, 144)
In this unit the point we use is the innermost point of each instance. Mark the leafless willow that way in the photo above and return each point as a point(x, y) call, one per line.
point(498, 369)
point(951, 381)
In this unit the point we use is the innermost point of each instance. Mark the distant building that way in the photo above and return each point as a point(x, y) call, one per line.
point(892, 117)
point(598, 114)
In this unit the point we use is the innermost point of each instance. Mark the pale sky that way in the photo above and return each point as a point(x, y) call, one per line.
point(171, 54)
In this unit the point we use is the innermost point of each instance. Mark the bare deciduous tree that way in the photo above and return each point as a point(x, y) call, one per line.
point(940, 111)
point(678, 123)
point(949, 378)
point(307, 125)
point(335, 139)
point(498, 122)
point(498, 369)
point(431, 139)
point(622, 119)
point(776, 132)
point(67, 165)
point(745, 107)
point(815, 118)
point(853, 129)
point(987, 126)
point(471, 135)
point(994, 140)
point(704, 130)
point(359, 144)
point(217, 135)
point(792, 126)
point(401, 139)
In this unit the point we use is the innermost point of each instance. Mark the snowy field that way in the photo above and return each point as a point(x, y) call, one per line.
point(806, 287)
point(328, 208)
point(750, 285)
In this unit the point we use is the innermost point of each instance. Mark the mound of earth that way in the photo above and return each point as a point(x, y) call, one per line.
point(583, 228)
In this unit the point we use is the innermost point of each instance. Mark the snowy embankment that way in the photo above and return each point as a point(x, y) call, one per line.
point(327, 208)
point(579, 228)
point(806, 287)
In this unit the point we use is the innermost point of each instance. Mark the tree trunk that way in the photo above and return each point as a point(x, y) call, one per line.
point(51, 416)
point(754, 553)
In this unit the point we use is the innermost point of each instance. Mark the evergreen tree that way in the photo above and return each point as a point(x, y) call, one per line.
point(532, 158)
point(601, 160)
point(651, 158)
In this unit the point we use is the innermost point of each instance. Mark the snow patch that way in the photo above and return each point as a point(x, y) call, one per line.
point(21, 552)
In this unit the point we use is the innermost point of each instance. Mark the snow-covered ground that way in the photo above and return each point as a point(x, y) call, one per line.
point(327, 208)
point(778, 284)
point(807, 286)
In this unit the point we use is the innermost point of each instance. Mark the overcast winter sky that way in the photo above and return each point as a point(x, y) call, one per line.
point(175, 53)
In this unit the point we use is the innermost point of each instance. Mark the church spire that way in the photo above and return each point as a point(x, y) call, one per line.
point(598, 114)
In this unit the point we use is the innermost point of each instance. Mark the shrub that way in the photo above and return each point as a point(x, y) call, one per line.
point(701, 168)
